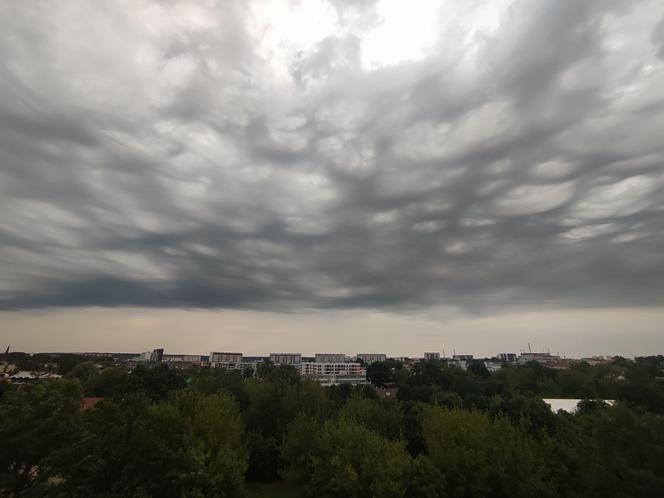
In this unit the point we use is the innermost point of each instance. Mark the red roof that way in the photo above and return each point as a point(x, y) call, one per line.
point(89, 402)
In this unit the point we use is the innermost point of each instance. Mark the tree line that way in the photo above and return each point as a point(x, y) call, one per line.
point(162, 432)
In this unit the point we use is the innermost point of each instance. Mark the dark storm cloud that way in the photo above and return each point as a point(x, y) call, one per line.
point(170, 159)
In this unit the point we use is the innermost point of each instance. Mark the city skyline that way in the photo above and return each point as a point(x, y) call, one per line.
point(333, 174)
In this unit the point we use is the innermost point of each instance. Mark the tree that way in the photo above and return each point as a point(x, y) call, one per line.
point(214, 443)
point(126, 448)
point(379, 373)
point(353, 462)
point(382, 416)
point(483, 458)
point(34, 422)
point(154, 382)
point(425, 480)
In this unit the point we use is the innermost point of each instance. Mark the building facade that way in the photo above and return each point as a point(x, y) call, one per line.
point(286, 358)
point(369, 358)
point(329, 374)
point(330, 358)
point(431, 356)
point(229, 361)
point(507, 357)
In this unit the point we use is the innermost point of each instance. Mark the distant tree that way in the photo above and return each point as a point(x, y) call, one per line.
point(83, 372)
point(154, 382)
point(379, 373)
point(478, 368)
point(110, 381)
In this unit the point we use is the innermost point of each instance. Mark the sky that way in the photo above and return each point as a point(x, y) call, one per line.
point(313, 175)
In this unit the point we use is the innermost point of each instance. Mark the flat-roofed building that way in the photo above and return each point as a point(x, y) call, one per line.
point(462, 357)
point(543, 358)
point(229, 361)
point(330, 358)
point(369, 358)
point(507, 357)
point(431, 356)
point(329, 374)
point(183, 358)
point(286, 358)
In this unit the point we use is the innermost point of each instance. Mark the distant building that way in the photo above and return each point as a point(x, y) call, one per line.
point(507, 357)
point(462, 364)
point(463, 357)
point(493, 366)
point(431, 356)
point(333, 373)
point(89, 402)
point(286, 358)
point(542, 358)
point(228, 361)
point(387, 392)
point(330, 358)
point(157, 355)
point(369, 358)
point(569, 405)
point(183, 358)
point(596, 360)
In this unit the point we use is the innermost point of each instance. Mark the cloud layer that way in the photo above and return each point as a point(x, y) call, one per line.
point(332, 155)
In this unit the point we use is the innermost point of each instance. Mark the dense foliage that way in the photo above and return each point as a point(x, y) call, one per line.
point(204, 432)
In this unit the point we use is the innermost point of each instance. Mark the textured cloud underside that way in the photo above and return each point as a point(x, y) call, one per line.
point(174, 154)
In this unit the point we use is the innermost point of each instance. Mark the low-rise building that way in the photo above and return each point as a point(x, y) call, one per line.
point(462, 364)
point(228, 361)
point(493, 366)
point(431, 356)
point(387, 392)
point(330, 358)
point(286, 358)
point(329, 373)
point(507, 357)
point(569, 405)
point(369, 358)
point(542, 358)
point(184, 358)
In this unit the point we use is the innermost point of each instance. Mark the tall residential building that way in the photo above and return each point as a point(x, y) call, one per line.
point(229, 361)
point(369, 358)
point(432, 356)
point(154, 356)
point(286, 358)
point(330, 358)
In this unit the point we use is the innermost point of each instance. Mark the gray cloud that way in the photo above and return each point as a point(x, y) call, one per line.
point(177, 157)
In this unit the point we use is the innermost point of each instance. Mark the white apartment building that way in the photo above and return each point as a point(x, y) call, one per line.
point(329, 374)
point(182, 358)
point(229, 361)
point(543, 358)
point(330, 358)
point(286, 358)
point(369, 358)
